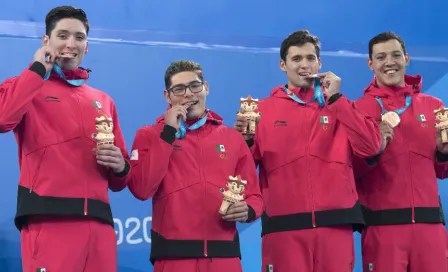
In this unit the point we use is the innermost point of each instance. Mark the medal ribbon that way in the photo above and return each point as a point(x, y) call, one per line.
point(57, 69)
point(398, 111)
point(318, 94)
point(182, 132)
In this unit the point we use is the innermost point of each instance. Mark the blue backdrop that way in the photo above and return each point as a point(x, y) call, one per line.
point(132, 42)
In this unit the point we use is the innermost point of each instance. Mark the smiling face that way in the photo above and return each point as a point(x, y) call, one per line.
point(389, 61)
point(188, 88)
point(68, 39)
point(301, 62)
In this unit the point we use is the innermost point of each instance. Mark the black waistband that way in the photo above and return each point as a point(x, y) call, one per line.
point(350, 216)
point(30, 203)
point(403, 216)
point(163, 249)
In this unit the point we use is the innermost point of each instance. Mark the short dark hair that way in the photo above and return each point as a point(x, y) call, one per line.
point(384, 37)
point(299, 38)
point(64, 12)
point(182, 66)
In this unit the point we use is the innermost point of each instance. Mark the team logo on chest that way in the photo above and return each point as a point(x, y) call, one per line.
point(324, 122)
point(221, 151)
point(422, 119)
point(97, 104)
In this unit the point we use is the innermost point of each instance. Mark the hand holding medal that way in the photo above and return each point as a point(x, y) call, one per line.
point(330, 81)
point(387, 133)
point(392, 118)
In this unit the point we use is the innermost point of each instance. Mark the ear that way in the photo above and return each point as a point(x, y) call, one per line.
point(320, 64)
point(87, 48)
point(282, 65)
point(407, 59)
point(369, 64)
point(206, 88)
point(167, 96)
point(45, 40)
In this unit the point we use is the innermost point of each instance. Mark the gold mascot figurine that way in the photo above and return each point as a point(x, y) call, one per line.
point(248, 109)
point(236, 186)
point(104, 126)
point(442, 115)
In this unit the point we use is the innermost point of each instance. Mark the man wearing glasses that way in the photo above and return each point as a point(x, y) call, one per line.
point(183, 162)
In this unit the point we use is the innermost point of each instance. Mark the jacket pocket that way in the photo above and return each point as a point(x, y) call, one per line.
point(333, 184)
point(34, 230)
point(179, 178)
point(33, 163)
point(55, 169)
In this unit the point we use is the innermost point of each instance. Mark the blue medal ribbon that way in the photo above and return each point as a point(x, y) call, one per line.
point(398, 111)
point(318, 94)
point(182, 132)
point(57, 69)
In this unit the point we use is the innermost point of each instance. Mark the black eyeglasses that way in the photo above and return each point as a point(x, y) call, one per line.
point(195, 87)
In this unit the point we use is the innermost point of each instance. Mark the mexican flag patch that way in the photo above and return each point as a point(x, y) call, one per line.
point(220, 148)
point(324, 119)
point(421, 118)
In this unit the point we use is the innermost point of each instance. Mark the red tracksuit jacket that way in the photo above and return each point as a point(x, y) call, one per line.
point(400, 185)
point(183, 178)
point(305, 158)
point(53, 124)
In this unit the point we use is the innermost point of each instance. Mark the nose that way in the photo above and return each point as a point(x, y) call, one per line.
point(304, 64)
point(70, 42)
point(390, 60)
point(188, 92)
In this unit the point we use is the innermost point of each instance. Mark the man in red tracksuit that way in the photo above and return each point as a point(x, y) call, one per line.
point(303, 145)
point(182, 162)
point(398, 187)
point(63, 210)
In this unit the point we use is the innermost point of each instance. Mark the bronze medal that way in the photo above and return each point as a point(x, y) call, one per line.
point(392, 118)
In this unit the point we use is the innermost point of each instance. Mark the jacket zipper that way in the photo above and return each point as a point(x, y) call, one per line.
point(86, 210)
point(204, 192)
point(307, 135)
point(412, 181)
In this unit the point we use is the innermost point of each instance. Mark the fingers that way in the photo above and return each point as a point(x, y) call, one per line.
point(108, 161)
point(321, 75)
point(388, 136)
point(238, 217)
point(107, 154)
point(387, 131)
point(238, 211)
point(110, 147)
point(50, 55)
point(238, 207)
point(180, 111)
point(386, 127)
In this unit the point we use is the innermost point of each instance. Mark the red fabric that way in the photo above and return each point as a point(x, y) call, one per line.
point(405, 175)
point(405, 248)
point(199, 265)
point(53, 123)
point(69, 244)
point(310, 250)
point(183, 179)
point(311, 159)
